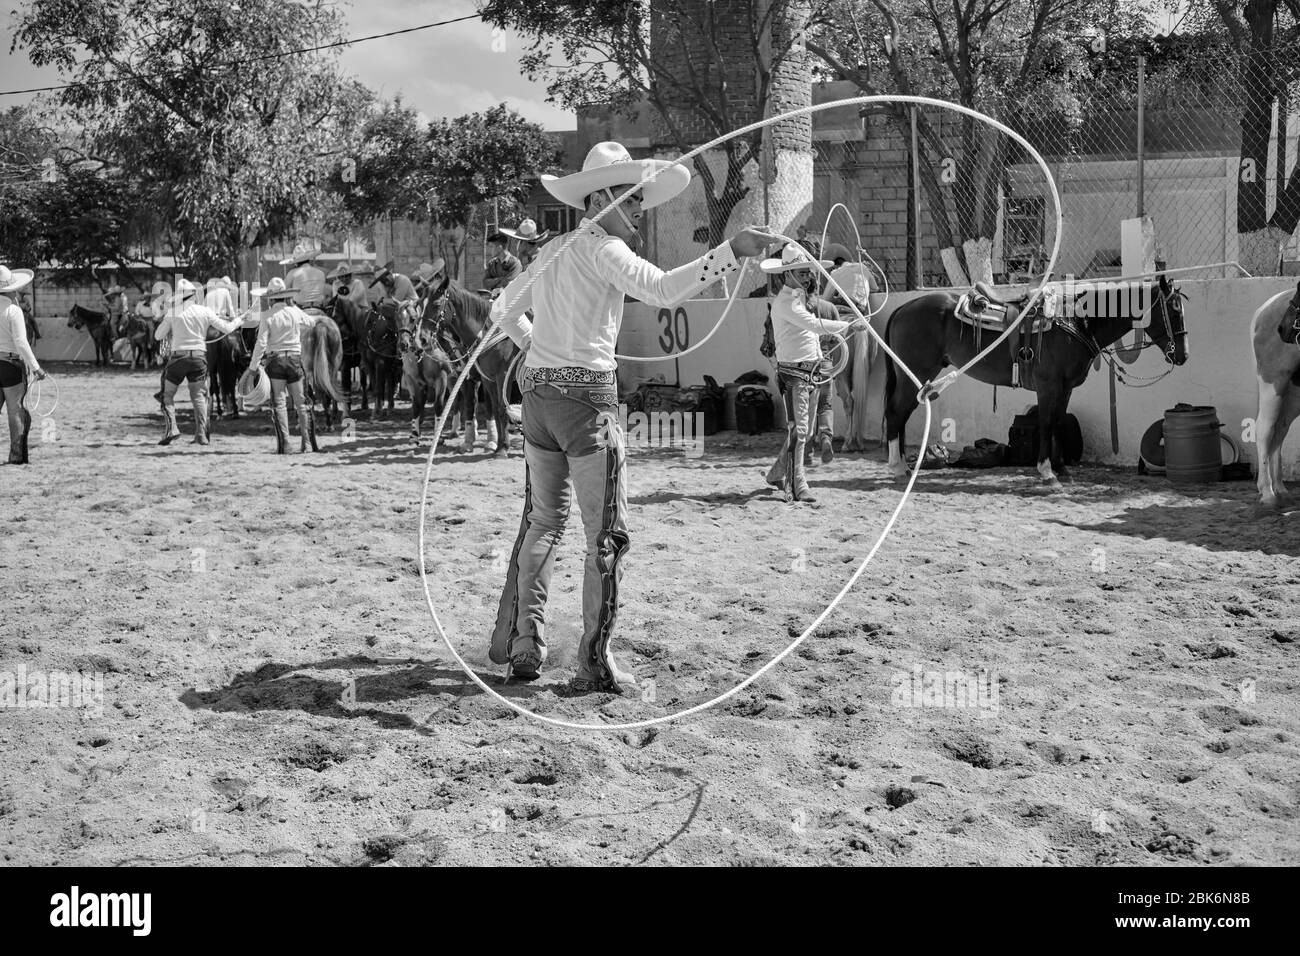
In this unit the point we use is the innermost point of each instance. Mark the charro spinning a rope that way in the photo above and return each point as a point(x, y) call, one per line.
point(575, 288)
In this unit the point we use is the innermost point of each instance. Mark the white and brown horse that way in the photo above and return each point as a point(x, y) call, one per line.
point(1273, 333)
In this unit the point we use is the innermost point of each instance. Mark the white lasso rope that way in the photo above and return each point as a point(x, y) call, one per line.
point(38, 389)
point(930, 389)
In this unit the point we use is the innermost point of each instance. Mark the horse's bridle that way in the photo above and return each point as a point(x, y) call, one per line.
point(441, 328)
point(370, 335)
point(1170, 349)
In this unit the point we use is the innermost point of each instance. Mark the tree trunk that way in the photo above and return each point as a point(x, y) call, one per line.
point(1260, 251)
point(1257, 243)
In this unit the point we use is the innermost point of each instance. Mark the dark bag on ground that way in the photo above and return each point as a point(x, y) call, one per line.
point(985, 453)
point(754, 413)
point(1022, 441)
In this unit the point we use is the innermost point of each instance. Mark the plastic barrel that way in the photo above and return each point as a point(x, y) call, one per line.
point(1192, 446)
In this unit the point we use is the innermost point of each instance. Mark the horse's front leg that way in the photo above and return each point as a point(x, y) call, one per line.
point(417, 407)
point(502, 421)
point(1049, 414)
point(469, 413)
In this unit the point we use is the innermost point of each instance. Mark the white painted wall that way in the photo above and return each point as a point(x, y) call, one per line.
point(1219, 371)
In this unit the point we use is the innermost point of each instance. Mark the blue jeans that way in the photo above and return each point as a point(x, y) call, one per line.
point(573, 443)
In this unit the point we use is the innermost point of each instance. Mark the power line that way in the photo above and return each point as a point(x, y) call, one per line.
point(252, 59)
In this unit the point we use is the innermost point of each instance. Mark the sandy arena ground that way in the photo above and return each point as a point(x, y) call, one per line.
point(274, 691)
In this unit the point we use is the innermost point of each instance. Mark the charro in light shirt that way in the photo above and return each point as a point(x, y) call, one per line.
point(280, 330)
point(308, 284)
point(578, 301)
point(13, 333)
point(189, 326)
point(796, 329)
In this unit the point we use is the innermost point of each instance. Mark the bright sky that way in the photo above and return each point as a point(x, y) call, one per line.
point(445, 71)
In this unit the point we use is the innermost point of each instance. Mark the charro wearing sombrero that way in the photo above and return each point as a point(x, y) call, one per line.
point(529, 239)
point(348, 285)
point(502, 267)
point(570, 410)
point(16, 362)
point(187, 322)
point(306, 279)
point(279, 337)
point(798, 361)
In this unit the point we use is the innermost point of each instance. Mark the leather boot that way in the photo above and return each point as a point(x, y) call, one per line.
point(799, 480)
point(172, 431)
point(18, 441)
point(280, 418)
point(201, 421)
point(307, 427)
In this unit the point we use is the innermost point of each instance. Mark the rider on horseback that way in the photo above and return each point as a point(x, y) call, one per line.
point(306, 278)
point(502, 267)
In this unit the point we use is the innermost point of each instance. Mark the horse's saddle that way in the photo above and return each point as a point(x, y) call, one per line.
point(1289, 328)
point(984, 308)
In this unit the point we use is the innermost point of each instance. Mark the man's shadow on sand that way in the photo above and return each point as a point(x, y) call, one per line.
point(276, 686)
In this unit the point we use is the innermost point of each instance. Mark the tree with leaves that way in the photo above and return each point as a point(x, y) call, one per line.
point(1263, 44)
point(448, 174)
point(209, 108)
point(61, 206)
point(705, 69)
point(1014, 60)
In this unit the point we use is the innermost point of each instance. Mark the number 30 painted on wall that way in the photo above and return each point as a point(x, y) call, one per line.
point(676, 333)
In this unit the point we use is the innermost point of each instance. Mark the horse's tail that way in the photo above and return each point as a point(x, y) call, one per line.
point(322, 369)
point(863, 355)
point(891, 381)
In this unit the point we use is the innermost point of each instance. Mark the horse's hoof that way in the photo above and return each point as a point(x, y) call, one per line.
point(502, 452)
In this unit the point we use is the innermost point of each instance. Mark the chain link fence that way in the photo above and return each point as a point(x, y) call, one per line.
point(1202, 142)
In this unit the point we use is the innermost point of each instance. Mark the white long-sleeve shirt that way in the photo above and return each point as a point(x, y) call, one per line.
point(13, 332)
point(189, 326)
point(577, 302)
point(796, 329)
point(280, 330)
point(308, 284)
point(220, 301)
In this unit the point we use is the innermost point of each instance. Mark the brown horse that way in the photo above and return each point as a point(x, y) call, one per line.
point(228, 358)
point(322, 359)
point(1273, 330)
point(379, 352)
point(96, 326)
point(351, 323)
point(455, 313)
point(426, 371)
point(928, 334)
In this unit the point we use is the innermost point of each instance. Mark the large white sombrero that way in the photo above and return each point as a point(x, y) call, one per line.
point(609, 165)
point(793, 257)
point(275, 289)
point(527, 232)
point(185, 289)
point(301, 253)
point(11, 280)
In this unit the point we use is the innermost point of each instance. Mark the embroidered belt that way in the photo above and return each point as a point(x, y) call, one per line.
point(193, 353)
point(568, 375)
point(11, 357)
